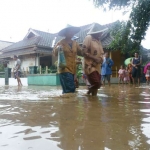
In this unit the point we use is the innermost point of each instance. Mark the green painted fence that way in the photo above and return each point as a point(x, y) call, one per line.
point(43, 79)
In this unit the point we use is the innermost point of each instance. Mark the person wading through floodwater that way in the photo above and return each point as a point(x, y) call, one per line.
point(70, 48)
point(136, 68)
point(93, 58)
point(106, 71)
point(17, 70)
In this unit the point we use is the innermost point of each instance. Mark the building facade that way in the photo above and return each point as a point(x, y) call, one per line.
point(36, 48)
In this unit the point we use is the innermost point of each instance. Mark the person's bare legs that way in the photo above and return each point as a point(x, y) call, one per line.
point(119, 80)
point(148, 81)
point(133, 80)
point(109, 82)
point(94, 92)
point(123, 81)
point(138, 81)
point(19, 81)
point(104, 83)
point(89, 92)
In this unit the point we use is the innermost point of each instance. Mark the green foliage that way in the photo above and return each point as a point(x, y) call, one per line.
point(79, 71)
point(129, 37)
point(52, 69)
point(111, 4)
point(145, 62)
point(121, 40)
point(1, 68)
point(140, 20)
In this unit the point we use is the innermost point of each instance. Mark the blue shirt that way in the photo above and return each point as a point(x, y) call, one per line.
point(106, 66)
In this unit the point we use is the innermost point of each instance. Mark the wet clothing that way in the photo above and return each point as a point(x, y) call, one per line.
point(136, 71)
point(70, 52)
point(126, 76)
point(147, 73)
point(94, 48)
point(121, 73)
point(106, 66)
point(67, 74)
point(67, 82)
point(94, 79)
point(17, 74)
point(17, 66)
point(130, 70)
point(106, 77)
point(92, 68)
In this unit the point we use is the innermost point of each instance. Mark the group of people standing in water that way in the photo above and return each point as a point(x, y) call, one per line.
point(92, 52)
point(132, 71)
point(96, 63)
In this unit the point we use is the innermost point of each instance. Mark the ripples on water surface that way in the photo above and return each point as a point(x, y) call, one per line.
point(37, 118)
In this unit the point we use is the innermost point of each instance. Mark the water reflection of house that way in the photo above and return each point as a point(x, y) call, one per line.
point(36, 48)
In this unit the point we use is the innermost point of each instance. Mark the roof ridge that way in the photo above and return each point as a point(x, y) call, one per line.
point(38, 38)
point(42, 31)
point(6, 41)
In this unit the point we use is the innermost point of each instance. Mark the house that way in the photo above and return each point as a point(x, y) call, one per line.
point(36, 48)
point(4, 44)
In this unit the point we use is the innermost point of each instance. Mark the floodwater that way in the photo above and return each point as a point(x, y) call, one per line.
point(36, 118)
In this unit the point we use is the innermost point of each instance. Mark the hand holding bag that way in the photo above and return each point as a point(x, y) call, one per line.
point(61, 58)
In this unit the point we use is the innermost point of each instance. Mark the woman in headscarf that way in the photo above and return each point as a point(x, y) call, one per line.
point(70, 48)
point(93, 57)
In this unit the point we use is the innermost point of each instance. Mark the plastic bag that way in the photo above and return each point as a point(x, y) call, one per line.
point(61, 58)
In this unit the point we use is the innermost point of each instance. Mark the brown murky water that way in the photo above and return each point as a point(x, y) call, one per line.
point(33, 118)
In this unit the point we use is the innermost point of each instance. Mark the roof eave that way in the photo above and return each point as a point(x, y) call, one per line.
point(40, 46)
point(25, 47)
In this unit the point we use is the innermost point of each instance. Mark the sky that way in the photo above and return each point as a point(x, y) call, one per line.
point(18, 16)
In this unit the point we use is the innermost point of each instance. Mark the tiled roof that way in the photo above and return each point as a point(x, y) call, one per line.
point(25, 52)
point(47, 40)
point(4, 44)
point(22, 44)
point(105, 39)
point(42, 39)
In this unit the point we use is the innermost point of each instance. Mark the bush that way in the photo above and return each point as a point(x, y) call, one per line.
point(1, 68)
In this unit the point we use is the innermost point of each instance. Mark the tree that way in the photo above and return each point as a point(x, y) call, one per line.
point(113, 4)
point(119, 32)
point(138, 22)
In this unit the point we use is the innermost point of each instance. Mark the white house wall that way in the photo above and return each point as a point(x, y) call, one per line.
point(29, 60)
point(13, 82)
point(54, 59)
point(26, 61)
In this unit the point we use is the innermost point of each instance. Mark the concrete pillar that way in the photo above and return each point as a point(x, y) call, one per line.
point(54, 59)
point(37, 60)
point(40, 69)
point(7, 75)
point(116, 72)
point(110, 55)
point(46, 69)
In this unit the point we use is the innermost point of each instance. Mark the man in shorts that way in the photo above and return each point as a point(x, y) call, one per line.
point(17, 70)
point(106, 68)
